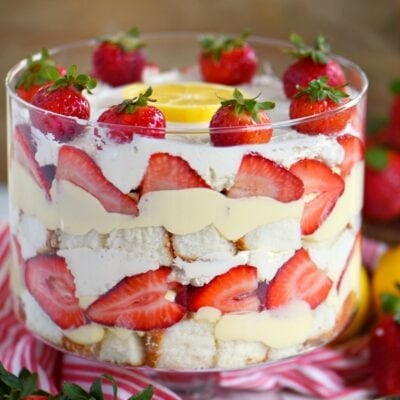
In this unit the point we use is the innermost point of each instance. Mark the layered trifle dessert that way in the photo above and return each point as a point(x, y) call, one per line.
point(198, 215)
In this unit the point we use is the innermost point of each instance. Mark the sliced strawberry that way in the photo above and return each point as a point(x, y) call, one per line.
point(325, 185)
point(233, 291)
point(51, 283)
point(258, 176)
point(298, 279)
point(138, 302)
point(353, 152)
point(24, 152)
point(77, 167)
point(166, 172)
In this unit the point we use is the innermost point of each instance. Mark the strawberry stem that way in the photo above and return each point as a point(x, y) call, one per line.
point(391, 303)
point(129, 106)
point(72, 78)
point(395, 87)
point(38, 72)
point(241, 104)
point(377, 158)
point(319, 53)
point(216, 45)
point(318, 90)
point(128, 41)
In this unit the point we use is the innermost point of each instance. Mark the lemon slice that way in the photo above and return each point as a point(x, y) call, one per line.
point(185, 102)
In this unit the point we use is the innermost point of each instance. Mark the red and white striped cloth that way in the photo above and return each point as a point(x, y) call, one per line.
point(329, 373)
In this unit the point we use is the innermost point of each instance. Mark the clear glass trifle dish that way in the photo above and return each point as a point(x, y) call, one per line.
point(194, 246)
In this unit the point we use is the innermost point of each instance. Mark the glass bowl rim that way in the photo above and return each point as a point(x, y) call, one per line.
point(185, 130)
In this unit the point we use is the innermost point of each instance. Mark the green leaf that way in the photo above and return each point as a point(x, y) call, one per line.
point(96, 390)
point(318, 90)
point(8, 378)
point(377, 158)
point(215, 45)
point(319, 53)
point(240, 104)
point(74, 392)
point(145, 394)
point(113, 384)
point(375, 124)
point(129, 106)
point(29, 382)
point(395, 86)
point(390, 303)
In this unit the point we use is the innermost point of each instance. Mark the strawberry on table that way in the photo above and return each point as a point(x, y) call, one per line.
point(326, 187)
point(385, 347)
point(138, 302)
point(298, 279)
point(319, 97)
point(258, 176)
point(24, 150)
point(233, 291)
point(167, 172)
point(227, 60)
point(75, 166)
point(138, 116)
point(63, 97)
point(118, 59)
point(382, 184)
point(312, 63)
point(241, 121)
point(37, 74)
point(51, 283)
point(353, 152)
point(394, 122)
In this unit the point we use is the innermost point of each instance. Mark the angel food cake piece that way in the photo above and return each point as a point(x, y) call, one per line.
point(186, 235)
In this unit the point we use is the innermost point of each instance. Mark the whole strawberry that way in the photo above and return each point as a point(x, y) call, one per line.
point(227, 60)
point(312, 63)
point(394, 121)
point(385, 348)
point(137, 116)
point(63, 97)
point(118, 60)
point(37, 74)
point(382, 184)
point(319, 97)
point(241, 121)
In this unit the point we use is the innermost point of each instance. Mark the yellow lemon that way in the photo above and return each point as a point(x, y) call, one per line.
point(386, 275)
point(185, 102)
point(363, 309)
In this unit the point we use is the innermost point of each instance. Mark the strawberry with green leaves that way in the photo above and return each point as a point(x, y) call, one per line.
point(37, 74)
point(382, 184)
point(312, 63)
point(385, 347)
point(24, 386)
point(241, 121)
point(319, 97)
point(137, 116)
point(64, 97)
point(21, 387)
point(227, 60)
point(118, 59)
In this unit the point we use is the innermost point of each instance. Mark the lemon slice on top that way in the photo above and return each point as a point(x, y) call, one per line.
point(184, 102)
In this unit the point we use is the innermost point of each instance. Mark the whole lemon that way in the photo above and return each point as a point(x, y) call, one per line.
point(386, 276)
